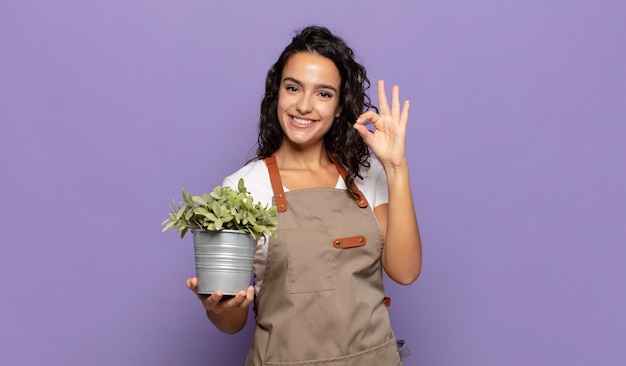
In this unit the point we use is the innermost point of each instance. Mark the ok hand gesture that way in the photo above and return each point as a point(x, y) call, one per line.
point(388, 141)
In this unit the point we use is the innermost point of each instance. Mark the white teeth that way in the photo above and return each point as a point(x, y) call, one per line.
point(302, 121)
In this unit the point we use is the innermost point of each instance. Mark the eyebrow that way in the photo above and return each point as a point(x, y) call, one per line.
point(317, 86)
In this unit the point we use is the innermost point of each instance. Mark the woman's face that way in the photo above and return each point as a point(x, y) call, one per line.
point(308, 99)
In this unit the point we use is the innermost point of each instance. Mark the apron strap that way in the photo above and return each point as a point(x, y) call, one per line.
point(279, 192)
point(358, 196)
point(277, 184)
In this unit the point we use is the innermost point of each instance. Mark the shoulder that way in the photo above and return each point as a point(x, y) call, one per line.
point(256, 179)
point(372, 175)
point(375, 170)
point(374, 183)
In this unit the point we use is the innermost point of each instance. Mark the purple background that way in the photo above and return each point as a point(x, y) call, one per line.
point(516, 146)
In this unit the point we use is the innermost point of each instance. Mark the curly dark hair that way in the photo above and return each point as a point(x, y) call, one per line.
point(342, 140)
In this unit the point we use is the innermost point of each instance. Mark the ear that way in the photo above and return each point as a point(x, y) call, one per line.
point(338, 112)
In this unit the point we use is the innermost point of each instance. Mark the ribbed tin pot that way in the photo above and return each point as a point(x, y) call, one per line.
point(224, 260)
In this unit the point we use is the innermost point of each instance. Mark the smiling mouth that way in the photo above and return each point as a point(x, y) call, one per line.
point(302, 122)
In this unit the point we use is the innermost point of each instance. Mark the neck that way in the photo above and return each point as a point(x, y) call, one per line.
point(289, 155)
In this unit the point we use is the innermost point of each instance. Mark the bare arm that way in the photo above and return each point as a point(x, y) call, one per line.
point(402, 253)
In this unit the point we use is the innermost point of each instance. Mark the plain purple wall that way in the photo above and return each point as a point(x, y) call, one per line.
point(516, 145)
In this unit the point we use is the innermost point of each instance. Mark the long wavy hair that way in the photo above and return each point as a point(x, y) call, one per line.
point(342, 140)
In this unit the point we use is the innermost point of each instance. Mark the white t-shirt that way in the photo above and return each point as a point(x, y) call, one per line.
point(257, 181)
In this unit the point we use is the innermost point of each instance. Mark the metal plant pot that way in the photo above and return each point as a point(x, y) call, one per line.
point(224, 260)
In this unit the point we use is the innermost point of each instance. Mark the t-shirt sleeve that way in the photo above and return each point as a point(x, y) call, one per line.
point(256, 179)
point(382, 193)
point(228, 182)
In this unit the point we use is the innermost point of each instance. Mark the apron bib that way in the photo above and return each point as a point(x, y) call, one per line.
point(321, 302)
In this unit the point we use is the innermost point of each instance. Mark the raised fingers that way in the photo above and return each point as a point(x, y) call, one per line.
point(404, 117)
point(395, 102)
point(383, 105)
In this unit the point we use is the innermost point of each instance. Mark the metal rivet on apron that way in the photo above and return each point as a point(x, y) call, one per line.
point(337, 243)
point(360, 240)
point(280, 195)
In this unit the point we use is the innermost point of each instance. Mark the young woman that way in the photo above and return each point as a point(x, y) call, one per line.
point(343, 214)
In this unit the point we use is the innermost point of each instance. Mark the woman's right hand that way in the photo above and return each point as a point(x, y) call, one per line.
point(213, 303)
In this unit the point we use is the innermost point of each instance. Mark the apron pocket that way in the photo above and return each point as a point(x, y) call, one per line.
point(310, 261)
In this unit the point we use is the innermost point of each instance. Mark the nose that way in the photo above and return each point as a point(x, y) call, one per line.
point(304, 104)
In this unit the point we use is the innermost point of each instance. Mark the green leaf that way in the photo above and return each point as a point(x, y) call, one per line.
point(168, 226)
point(228, 218)
point(180, 213)
point(240, 186)
point(216, 209)
point(200, 200)
point(222, 208)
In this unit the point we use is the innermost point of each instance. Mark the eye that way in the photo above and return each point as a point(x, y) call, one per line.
point(325, 95)
point(291, 88)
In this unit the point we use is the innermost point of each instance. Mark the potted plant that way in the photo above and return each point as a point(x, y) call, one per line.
point(226, 225)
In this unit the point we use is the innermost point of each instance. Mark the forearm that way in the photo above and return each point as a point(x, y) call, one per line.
point(402, 253)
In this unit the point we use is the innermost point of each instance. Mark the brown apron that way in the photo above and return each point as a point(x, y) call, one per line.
point(321, 302)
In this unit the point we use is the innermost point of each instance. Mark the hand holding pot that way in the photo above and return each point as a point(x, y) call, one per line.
point(213, 302)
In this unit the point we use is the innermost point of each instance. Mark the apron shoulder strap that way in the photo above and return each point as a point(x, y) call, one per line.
point(279, 192)
point(358, 196)
point(277, 184)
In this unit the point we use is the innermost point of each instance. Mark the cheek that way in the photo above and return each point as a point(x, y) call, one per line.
point(280, 109)
point(337, 109)
point(333, 111)
point(282, 103)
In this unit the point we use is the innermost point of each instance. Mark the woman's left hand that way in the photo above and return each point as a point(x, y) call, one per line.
point(388, 141)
